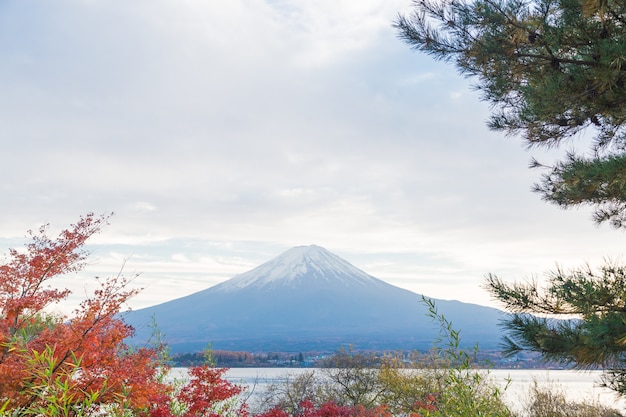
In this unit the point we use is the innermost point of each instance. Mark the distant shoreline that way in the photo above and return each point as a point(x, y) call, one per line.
point(243, 359)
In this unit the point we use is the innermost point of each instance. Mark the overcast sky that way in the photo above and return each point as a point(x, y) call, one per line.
point(224, 132)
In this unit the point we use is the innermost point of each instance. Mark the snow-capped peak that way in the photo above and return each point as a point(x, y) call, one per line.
point(298, 265)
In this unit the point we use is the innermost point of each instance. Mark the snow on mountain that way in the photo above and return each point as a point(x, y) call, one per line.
point(301, 265)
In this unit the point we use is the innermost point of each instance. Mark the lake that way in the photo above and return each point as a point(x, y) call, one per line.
point(576, 385)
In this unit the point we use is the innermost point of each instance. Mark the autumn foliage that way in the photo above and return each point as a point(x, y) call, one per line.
point(330, 409)
point(80, 365)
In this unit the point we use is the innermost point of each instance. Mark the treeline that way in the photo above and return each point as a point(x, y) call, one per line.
point(232, 359)
point(242, 359)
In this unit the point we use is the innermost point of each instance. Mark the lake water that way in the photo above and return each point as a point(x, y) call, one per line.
point(575, 385)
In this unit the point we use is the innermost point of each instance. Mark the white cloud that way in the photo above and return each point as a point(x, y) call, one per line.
point(143, 206)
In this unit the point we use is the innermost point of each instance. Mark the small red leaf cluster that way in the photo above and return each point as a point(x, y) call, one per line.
point(330, 409)
point(205, 389)
point(426, 407)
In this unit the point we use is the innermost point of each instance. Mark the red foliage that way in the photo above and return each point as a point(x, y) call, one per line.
point(205, 388)
point(330, 409)
point(428, 405)
point(85, 353)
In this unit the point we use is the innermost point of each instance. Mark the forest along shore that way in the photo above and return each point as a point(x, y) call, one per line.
point(234, 359)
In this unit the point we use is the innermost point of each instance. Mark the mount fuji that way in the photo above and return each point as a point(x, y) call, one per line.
point(308, 299)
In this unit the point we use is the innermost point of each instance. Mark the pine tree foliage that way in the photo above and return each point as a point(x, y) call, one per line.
point(600, 182)
point(551, 69)
point(591, 332)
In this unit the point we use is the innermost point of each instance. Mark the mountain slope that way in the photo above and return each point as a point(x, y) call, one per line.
point(306, 299)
